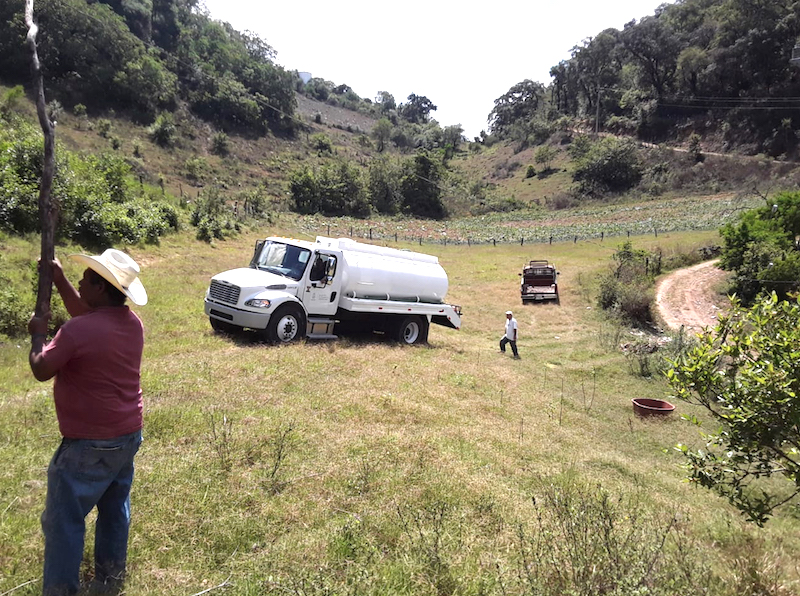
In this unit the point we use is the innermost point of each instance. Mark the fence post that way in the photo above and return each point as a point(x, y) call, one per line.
point(602, 235)
point(575, 241)
point(551, 240)
point(494, 242)
point(655, 231)
point(522, 241)
point(370, 233)
point(329, 230)
point(468, 244)
point(420, 240)
point(351, 231)
point(395, 237)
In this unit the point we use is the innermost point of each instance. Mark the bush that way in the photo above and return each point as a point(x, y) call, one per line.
point(331, 190)
point(104, 127)
point(212, 217)
point(530, 172)
point(162, 131)
point(220, 144)
point(321, 143)
point(626, 291)
point(612, 165)
point(195, 169)
point(10, 100)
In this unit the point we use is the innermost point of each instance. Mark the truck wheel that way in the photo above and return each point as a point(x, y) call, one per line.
point(287, 324)
point(412, 330)
point(223, 327)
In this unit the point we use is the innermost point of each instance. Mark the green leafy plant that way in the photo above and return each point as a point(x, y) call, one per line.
point(163, 130)
point(745, 372)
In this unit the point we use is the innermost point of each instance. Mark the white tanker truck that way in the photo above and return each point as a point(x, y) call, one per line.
point(294, 289)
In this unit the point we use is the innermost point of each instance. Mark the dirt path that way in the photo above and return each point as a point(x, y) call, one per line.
point(689, 297)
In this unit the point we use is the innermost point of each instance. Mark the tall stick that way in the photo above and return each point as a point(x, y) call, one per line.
point(48, 213)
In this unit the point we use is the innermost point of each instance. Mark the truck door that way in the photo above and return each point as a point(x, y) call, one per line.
point(324, 282)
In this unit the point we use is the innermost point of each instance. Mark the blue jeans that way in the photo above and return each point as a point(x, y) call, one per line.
point(85, 473)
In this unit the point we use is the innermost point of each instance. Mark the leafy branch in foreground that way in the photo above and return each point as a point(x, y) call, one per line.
point(746, 373)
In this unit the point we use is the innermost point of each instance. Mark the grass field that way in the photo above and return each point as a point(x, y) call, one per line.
point(364, 467)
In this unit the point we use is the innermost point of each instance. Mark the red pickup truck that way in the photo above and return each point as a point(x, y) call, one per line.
point(539, 282)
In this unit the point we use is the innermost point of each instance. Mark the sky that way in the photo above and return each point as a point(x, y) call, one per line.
point(460, 54)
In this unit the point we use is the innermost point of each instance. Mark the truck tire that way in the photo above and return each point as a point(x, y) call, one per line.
point(287, 324)
point(223, 327)
point(412, 330)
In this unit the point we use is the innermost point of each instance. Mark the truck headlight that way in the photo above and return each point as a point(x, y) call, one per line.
point(258, 303)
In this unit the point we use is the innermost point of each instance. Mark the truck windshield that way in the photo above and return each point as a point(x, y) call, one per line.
point(283, 259)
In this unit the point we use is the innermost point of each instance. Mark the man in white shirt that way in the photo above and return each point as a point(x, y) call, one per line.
point(511, 334)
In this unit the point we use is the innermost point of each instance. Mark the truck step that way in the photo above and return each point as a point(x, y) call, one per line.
point(322, 336)
point(320, 328)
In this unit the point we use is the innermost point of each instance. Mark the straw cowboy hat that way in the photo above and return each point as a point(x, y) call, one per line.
point(119, 270)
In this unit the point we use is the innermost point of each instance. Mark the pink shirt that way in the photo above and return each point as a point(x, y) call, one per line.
point(98, 356)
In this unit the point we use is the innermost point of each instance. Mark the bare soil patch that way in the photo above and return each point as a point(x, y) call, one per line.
point(333, 115)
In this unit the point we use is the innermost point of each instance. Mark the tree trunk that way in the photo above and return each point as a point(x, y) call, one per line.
point(48, 212)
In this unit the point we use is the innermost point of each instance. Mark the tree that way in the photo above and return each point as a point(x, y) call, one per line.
point(762, 248)
point(381, 132)
point(383, 186)
point(386, 101)
point(692, 63)
point(544, 155)
point(420, 187)
point(746, 373)
point(517, 105)
point(451, 136)
point(418, 109)
point(655, 48)
point(612, 165)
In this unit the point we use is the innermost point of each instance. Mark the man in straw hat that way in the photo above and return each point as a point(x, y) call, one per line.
point(95, 358)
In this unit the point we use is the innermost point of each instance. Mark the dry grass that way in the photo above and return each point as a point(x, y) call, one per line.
point(364, 467)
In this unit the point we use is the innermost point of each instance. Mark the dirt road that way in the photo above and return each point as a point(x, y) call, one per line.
point(690, 297)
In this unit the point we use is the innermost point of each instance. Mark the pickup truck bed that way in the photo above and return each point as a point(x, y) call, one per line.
point(539, 282)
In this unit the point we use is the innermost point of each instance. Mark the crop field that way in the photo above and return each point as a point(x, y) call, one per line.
point(637, 218)
point(364, 467)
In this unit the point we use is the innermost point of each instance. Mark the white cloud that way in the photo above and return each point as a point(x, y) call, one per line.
point(461, 55)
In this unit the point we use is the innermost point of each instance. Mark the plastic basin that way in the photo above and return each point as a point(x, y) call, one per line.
point(643, 406)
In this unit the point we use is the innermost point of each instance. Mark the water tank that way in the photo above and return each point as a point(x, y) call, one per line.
point(382, 273)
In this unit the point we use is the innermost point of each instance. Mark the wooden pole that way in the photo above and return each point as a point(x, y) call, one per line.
point(48, 212)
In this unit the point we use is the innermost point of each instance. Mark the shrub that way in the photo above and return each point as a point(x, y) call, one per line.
point(163, 130)
point(331, 190)
point(220, 144)
point(612, 165)
point(195, 169)
point(104, 127)
point(10, 100)
point(626, 291)
point(321, 143)
point(530, 172)
point(212, 216)
point(79, 110)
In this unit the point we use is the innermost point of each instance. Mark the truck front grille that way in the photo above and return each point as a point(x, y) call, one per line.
point(221, 292)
